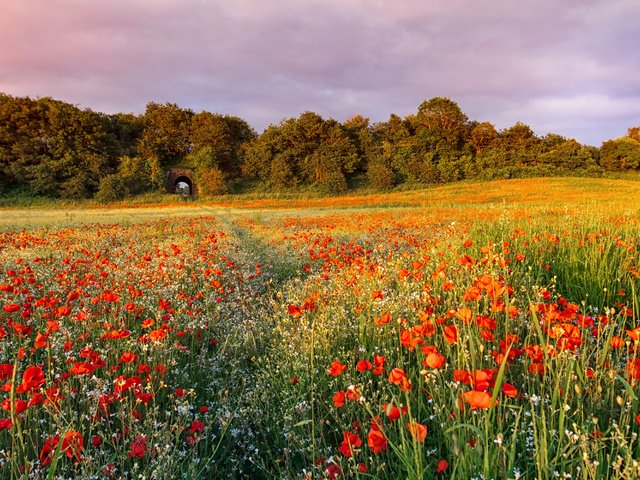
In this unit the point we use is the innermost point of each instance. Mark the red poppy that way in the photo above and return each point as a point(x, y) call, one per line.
point(397, 376)
point(32, 379)
point(353, 393)
point(382, 320)
point(336, 368)
point(377, 441)
point(48, 450)
point(363, 366)
point(509, 390)
point(478, 399)
point(138, 447)
point(442, 466)
point(196, 426)
point(451, 334)
point(339, 399)
point(378, 362)
point(72, 444)
point(128, 357)
point(349, 444)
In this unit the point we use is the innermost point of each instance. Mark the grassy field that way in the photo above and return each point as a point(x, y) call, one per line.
point(474, 330)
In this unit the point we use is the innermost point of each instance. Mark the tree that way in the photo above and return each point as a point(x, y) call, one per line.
point(224, 137)
point(620, 154)
point(483, 136)
point(305, 150)
point(634, 133)
point(441, 126)
point(520, 145)
point(166, 134)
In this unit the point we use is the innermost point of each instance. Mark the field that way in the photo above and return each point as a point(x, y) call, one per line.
point(476, 330)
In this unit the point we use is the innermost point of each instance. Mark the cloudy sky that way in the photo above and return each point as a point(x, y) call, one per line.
point(565, 66)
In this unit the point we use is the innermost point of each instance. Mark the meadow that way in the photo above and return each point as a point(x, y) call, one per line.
point(472, 331)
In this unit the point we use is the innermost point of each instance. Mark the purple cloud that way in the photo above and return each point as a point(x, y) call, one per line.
point(567, 67)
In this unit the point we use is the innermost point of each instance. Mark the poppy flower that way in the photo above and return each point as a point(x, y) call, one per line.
point(349, 444)
point(442, 466)
point(138, 447)
point(509, 390)
point(378, 362)
point(633, 368)
point(32, 378)
point(336, 368)
point(353, 393)
point(48, 450)
point(478, 399)
point(634, 334)
point(128, 357)
point(397, 376)
point(418, 431)
point(376, 441)
point(382, 320)
point(196, 426)
point(72, 444)
point(393, 412)
point(339, 399)
point(451, 334)
point(363, 366)
point(435, 360)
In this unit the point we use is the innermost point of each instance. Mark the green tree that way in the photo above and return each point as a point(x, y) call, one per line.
point(165, 136)
point(224, 137)
point(620, 154)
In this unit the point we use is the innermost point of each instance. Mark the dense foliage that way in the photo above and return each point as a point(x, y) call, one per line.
point(55, 149)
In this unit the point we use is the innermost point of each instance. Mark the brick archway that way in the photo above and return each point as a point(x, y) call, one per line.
point(177, 175)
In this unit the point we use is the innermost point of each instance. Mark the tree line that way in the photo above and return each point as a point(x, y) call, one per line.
point(55, 149)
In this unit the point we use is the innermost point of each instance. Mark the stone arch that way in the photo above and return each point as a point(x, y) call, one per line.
point(177, 175)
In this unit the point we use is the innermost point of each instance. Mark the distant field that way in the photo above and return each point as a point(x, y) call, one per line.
point(474, 330)
point(525, 195)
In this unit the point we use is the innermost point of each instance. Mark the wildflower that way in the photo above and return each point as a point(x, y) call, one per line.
point(353, 393)
point(382, 320)
point(378, 362)
point(418, 431)
point(397, 376)
point(435, 360)
point(72, 444)
point(128, 357)
point(509, 390)
point(349, 443)
point(363, 366)
point(336, 368)
point(339, 399)
point(478, 399)
point(442, 466)
point(138, 447)
point(196, 426)
point(32, 379)
point(377, 441)
point(48, 449)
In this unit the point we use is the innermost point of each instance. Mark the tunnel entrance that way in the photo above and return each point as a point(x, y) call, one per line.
point(180, 181)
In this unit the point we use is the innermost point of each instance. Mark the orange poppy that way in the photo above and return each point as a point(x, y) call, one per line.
point(418, 431)
point(478, 399)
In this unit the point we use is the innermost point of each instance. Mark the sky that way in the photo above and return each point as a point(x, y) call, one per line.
point(570, 67)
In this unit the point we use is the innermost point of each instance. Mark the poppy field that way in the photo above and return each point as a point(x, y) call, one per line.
point(485, 331)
